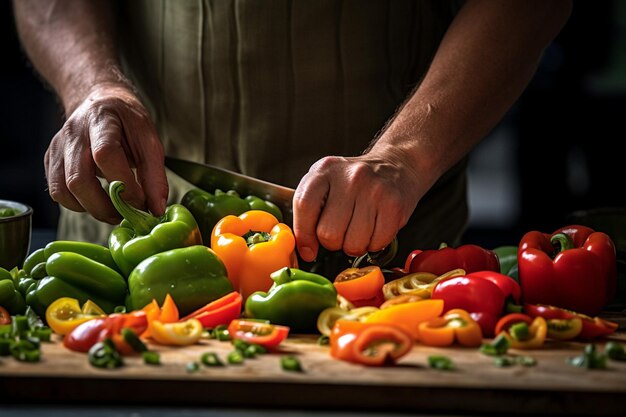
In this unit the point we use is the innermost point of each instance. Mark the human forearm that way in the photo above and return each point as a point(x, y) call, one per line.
point(486, 59)
point(70, 43)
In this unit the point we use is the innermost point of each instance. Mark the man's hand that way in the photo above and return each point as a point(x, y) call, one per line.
point(355, 204)
point(107, 135)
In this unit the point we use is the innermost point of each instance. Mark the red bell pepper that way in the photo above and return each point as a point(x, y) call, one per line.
point(592, 327)
point(88, 333)
point(483, 294)
point(221, 311)
point(573, 268)
point(470, 258)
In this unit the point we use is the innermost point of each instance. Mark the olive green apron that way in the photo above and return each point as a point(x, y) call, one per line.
point(268, 87)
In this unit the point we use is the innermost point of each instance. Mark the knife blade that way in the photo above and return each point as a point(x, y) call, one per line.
point(209, 178)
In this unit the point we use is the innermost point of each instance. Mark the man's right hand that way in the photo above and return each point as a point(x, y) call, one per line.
point(107, 135)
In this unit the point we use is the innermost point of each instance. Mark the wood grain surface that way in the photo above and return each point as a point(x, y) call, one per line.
point(476, 385)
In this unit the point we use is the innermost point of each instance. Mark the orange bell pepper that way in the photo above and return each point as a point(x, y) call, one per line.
point(252, 246)
point(367, 343)
point(408, 316)
point(167, 313)
point(456, 325)
point(361, 286)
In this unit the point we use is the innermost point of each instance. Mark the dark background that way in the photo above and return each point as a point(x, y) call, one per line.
point(557, 151)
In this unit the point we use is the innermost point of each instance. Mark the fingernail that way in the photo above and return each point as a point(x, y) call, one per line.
point(306, 253)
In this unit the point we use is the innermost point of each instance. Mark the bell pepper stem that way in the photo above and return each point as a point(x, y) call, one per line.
point(282, 276)
point(142, 222)
point(561, 242)
point(511, 307)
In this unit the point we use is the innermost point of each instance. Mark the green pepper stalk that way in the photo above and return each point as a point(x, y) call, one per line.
point(141, 234)
point(295, 299)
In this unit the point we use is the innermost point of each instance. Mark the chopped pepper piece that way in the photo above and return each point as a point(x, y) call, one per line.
point(455, 325)
point(408, 316)
point(532, 337)
point(371, 344)
point(361, 286)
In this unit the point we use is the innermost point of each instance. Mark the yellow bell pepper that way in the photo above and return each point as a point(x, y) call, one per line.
point(535, 337)
point(252, 246)
point(454, 326)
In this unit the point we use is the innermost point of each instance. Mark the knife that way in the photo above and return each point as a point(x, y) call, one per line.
point(209, 178)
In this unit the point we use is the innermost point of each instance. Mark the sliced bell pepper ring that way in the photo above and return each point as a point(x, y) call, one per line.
point(417, 283)
point(408, 316)
point(401, 299)
point(592, 327)
point(359, 284)
point(329, 316)
point(564, 329)
point(267, 335)
point(532, 337)
point(510, 319)
point(64, 314)
point(219, 312)
point(455, 325)
point(369, 344)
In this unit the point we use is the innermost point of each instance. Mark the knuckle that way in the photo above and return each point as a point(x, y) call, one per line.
point(102, 150)
point(326, 163)
point(329, 238)
point(75, 183)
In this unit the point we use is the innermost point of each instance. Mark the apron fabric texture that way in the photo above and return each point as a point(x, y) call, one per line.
point(268, 87)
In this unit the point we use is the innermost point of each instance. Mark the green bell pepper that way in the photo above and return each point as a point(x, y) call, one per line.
point(33, 259)
point(98, 253)
point(141, 234)
point(193, 276)
point(74, 275)
point(10, 297)
point(49, 289)
point(209, 208)
point(507, 257)
point(295, 299)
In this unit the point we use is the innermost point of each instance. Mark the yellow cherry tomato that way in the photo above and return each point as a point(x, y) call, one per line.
point(181, 333)
point(65, 313)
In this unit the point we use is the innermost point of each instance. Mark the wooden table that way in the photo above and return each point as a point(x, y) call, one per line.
point(476, 386)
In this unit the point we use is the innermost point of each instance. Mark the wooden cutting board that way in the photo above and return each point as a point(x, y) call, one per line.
point(476, 385)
